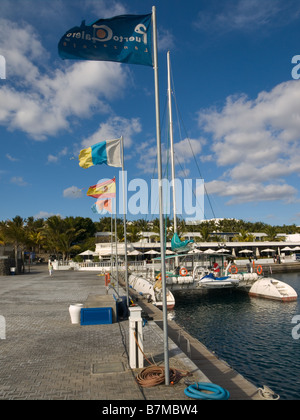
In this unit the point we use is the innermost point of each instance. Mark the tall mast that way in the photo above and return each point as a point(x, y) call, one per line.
point(124, 222)
point(160, 191)
point(172, 150)
point(171, 141)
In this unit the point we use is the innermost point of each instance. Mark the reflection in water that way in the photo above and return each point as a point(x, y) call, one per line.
point(253, 335)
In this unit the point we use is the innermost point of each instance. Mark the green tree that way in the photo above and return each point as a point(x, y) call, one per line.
point(244, 236)
point(62, 234)
point(204, 232)
point(271, 232)
point(14, 232)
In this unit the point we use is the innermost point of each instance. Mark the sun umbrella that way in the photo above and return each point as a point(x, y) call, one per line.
point(267, 250)
point(135, 252)
point(245, 251)
point(210, 251)
point(168, 252)
point(151, 252)
point(287, 248)
point(195, 251)
point(88, 252)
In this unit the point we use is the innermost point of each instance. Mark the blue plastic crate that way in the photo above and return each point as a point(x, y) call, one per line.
point(96, 316)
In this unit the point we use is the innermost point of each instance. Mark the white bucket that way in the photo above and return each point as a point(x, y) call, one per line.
point(75, 312)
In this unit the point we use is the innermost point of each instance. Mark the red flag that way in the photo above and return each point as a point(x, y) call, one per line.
point(104, 205)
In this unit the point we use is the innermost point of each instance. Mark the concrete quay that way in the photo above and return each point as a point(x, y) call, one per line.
point(46, 357)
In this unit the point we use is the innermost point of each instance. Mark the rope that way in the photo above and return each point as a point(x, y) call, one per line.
point(155, 375)
point(267, 393)
point(216, 391)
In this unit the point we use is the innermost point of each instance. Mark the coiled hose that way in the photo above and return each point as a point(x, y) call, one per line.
point(155, 375)
point(216, 392)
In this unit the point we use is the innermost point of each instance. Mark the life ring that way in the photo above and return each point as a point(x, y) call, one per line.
point(259, 270)
point(158, 277)
point(183, 271)
point(233, 267)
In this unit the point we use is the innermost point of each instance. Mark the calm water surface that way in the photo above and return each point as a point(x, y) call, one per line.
point(252, 335)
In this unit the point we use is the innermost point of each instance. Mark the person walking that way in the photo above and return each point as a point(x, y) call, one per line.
point(50, 267)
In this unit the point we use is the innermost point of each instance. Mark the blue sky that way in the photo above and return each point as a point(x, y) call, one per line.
point(237, 106)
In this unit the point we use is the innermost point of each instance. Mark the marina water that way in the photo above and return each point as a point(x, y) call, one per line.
point(254, 336)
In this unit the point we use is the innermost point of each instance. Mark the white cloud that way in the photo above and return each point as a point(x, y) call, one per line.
point(55, 158)
point(44, 215)
point(114, 128)
point(105, 9)
point(165, 40)
point(247, 192)
point(18, 180)
point(246, 15)
point(257, 142)
point(41, 103)
point(11, 158)
point(63, 12)
point(186, 149)
point(72, 192)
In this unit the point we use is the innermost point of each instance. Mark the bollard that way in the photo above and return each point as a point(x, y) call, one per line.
point(2, 328)
point(107, 279)
point(136, 358)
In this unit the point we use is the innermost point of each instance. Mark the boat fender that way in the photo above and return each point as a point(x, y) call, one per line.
point(183, 271)
point(259, 270)
point(216, 392)
point(233, 269)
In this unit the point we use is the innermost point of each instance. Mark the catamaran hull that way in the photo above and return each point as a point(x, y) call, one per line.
point(146, 288)
point(170, 304)
point(269, 288)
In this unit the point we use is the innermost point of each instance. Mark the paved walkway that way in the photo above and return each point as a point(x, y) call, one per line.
point(45, 356)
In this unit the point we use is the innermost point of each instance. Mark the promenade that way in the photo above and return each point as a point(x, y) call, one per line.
point(46, 357)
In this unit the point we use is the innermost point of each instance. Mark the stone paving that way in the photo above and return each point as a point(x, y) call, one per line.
point(45, 356)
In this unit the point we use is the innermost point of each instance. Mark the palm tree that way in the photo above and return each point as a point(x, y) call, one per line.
point(61, 234)
point(14, 232)
point(271, 232)
point(133, 233)
point(244, 236)
point(35, 233)
point(205, 233)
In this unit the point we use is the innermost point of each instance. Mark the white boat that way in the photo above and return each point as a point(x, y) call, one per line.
point(151, 290)
point(213, 278)
point(211, 282)
point(269, 288)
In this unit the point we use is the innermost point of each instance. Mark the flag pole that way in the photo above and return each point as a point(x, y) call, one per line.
point(161, 219)
point(125, 230)
point(116, 241)
point(111, 245)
